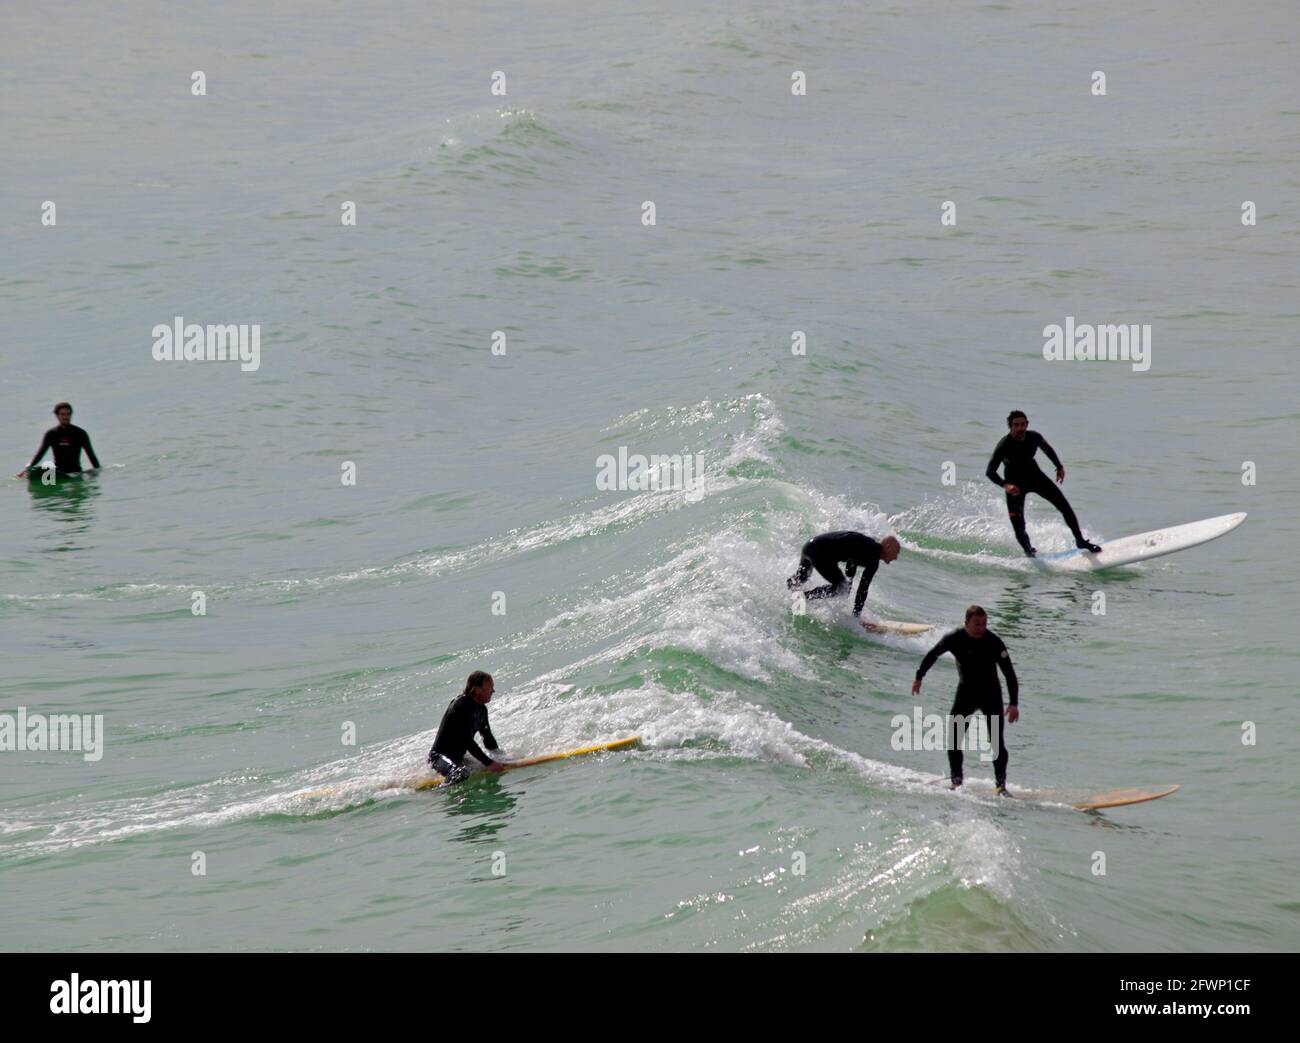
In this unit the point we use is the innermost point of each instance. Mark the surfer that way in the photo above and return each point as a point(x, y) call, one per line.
point(67, 441)
point(857, 550)
point(979, 653)
point(465, 717)
point(1023, 477)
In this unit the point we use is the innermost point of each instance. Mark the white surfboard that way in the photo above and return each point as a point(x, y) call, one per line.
point(1143, 546)
point(1082, 801)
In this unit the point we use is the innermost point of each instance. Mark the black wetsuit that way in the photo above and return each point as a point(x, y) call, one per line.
point(825, 552)
point(67, 443)
point(978, 688)
point(1024, 473)
point(463, 719)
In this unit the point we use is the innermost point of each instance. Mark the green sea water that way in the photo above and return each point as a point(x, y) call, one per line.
point(767, 808)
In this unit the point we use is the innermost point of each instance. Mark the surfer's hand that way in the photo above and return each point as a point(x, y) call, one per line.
point(495, 767)
point(1014, 490)
point(869, 626)
point(22, 473)
point(1013, 714)
point(1060, 475)
point(916, 686)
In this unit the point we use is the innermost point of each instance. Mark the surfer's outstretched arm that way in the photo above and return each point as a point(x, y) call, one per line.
point(868, 572)
point(944, 645)
point(46, 442)
point(994, 462)
point(479, 755)
point(1013, 693)
point(1051, 453)
point(1009, 672)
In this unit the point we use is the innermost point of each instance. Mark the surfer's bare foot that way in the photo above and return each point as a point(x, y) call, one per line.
point(1002, 791)
point(956, 784)
point(1091, 548)
point(1031, 552)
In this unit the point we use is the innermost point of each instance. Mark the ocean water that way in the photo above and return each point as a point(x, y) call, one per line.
point(766, 808)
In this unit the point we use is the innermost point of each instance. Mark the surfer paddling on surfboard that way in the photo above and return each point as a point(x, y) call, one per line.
point(980, 653)
point(1023, 477)
point(857, 550)
point(465, 717)
point(67, 441)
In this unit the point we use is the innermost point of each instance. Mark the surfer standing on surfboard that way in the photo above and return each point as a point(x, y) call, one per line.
point(1023, 477)
point(67, 441)
point(857, 550)
point(464, 718)
point(980, 653)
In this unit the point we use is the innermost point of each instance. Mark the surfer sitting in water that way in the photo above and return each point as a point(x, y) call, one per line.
point(979, 653)
point(1023, 477)
point(465, 717)
point(67, 441)
point(825, 552)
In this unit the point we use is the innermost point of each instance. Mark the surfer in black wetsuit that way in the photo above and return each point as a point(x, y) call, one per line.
point(67, 441)
point(465, 717)
point(979, 653)
point(1023, 477)
point(857, 550)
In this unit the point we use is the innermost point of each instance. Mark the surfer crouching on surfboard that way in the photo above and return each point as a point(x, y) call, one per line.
point(67, 441)
point(979, 653)
point(857, 550)
point(1023, 477)
point(465, 717)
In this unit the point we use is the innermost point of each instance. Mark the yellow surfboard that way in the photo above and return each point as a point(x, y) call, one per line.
point(894, 626)
point(438, 780)
point(546, 758)
point(1114, 798)
point(1118, 798)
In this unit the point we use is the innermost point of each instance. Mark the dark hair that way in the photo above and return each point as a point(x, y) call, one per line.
point(63, 405)
point(1013, 414)
point(475, 680)
point(974, 611)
